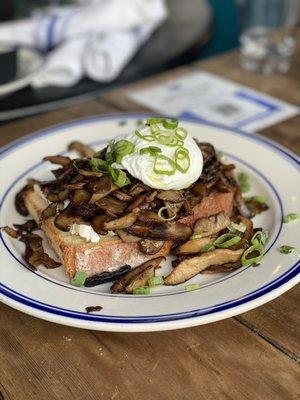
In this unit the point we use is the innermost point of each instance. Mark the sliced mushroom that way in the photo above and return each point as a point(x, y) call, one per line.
point(137, 189)
point(212, 225)
point(28, 226)
point(15, 234)
point(173, 196)
point(137, 202)
point(120, 284)
point(255, 207)
point(217, 269)
point(192, 266)
point(61, 160)
point(64, 220)
point(193, 246)
point(19, 200)
point(48, 262)
point(106, 276)
point(149, 246)
point(87, 173)
point(100, 185)
point(98, 222)
point(127, 237)
point(80, 196)
point(76, 185)
point(104, 186)
point(199, 189)
point(82, 149)
point(122, 196)
point(120, 223)
point(111, 206)
point(50, 211)
point(162, 231)
point(149, 216)
point(141, 279)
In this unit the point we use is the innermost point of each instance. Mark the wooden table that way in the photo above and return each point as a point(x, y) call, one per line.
point(252, 356)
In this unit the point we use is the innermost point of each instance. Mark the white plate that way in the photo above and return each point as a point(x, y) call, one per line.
point(29, 63)
point(46, 294)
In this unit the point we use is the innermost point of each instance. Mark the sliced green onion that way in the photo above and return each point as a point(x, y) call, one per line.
point(163, 165)
point(257, 199)
point(161, 216)
point(260, 237)
point(255, 248)
point(152, 150)
point(148, 138)
point(208, 247)
point(181, 133)
point(124, 147)
point(98, 165)
point(141, 290)
point(79, 278)
point(192, 286)
point(156, 281)
point(119, 177)
point(233, 227)
point(151, 121)
point(244, 182)
point(165, 138)
point(285, 249)
point(170, 123)
point(182, 159)
point(290, 217)
point(226, 240)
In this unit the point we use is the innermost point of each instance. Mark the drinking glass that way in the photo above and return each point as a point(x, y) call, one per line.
point(267, 41)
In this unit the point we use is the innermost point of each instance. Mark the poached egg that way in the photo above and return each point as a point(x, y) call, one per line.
point(141, 165)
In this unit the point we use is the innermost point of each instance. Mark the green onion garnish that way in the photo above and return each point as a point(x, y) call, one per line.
point(119, 177)
point(257, 199)
point(170, 123)
point(256, 249)
point(166, 138)
point(244, 182)
point(182, 159)
point(260, 237)
point(290, 217)
point(226, 240)
point(285, 249)
point(161, 216)
point(79, 278)
point(156, 281)
point(233, 227)
point(181, 133)
point(148, 138)
point(152, 150)
point(151, 121)
point(98, 165)
point(141, 290)
point(208, 247)
point(192, 286)
point(123, 148)
point(163, 165)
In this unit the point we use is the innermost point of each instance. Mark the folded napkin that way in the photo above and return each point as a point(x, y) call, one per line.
point(95, 40)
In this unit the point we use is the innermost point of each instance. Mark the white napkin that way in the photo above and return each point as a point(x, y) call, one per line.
point(96, 40)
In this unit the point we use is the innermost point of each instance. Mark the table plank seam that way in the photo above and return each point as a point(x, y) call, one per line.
point(269, 340)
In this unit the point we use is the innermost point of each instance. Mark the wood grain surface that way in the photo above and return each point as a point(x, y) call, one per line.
point(253, 356)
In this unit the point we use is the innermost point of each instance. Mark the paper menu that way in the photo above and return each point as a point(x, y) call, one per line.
point(205, 96)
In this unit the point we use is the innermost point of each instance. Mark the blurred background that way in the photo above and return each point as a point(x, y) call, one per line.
point(55, 52)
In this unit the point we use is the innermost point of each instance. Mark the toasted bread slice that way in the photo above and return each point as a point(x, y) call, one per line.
point(76, 254)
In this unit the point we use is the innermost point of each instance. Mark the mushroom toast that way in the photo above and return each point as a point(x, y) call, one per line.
point(115, 215)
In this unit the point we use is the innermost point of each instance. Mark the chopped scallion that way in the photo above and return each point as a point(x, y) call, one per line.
point(79, 278)
point(163, 165)
point(227, 240)
point(170, 123)
point(152, 150)
point(208, 247)
point(161, 214)
point(156, 281)
point(257, 199)
point(244, 182)
point(257, 252)
point(233, 227)
point(290, 217)
point(141, 290)
point(192, 286)
point(285, 249)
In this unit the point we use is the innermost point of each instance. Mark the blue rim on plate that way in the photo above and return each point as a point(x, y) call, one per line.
point(264, 290)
